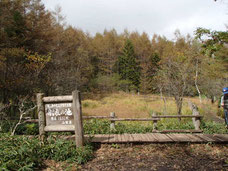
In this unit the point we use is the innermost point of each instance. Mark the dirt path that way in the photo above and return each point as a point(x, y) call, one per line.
point(161, 157)
point(214, 118)
point(211, 116)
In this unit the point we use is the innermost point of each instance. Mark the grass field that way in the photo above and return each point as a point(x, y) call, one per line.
point(140, 106)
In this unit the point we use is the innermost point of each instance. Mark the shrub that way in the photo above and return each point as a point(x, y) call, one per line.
point(209, 127)
point(171, 124)
point(19, 153)
point(24, 153)
point(220, 112)
point(6, 126)
point(96, 126)
point(23, 129)
point(133, 127)
point(28, 129)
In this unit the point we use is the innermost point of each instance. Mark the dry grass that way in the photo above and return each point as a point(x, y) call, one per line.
point(139, 106)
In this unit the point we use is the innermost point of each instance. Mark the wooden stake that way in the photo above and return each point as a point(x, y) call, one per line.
point(112, 125)
point(154, 122)
point(195, 112)
point(40, 108)
point(77, 112)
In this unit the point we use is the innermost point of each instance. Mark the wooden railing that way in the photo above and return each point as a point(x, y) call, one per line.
point(155, 118)
point(196, 119)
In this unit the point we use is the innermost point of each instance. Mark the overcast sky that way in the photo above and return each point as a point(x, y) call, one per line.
point(151, 16)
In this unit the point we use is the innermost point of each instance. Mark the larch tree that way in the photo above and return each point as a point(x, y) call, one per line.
point(25, 46)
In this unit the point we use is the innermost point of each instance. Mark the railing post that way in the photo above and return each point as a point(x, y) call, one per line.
point(154, 122)
point(112, 125)
point(195, 112)
point(41, 115)
point(77, 112)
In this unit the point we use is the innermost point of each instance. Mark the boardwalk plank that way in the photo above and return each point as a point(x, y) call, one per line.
point(147, 139)
point(100, 138)
point(152, 137)
point(216, 139)
point(179, 137)
point(106, 138)
point(223, 137)
point(162, 138)
point(143, 138)
point(116, 138)
point(194, 138)
point(137, 138)
point(205, 137)
point(131, 138)
point(125, 137)
point(119, 137)
point(111, 138)
point(157, 137)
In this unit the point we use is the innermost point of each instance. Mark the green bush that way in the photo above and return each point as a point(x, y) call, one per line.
point(220, 112)
point(65, 150)
point(19, 153)
point(28, 129)
point(23, 129)
point(171, 124)
point(96, 126)
point(6, 126)
point(133, 127)
point(24, 153)
point(209, 127)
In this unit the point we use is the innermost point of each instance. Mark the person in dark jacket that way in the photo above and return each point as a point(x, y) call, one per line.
point(224, 103)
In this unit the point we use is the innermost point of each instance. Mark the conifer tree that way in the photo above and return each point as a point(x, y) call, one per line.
point(128, 66)
point(152, 66)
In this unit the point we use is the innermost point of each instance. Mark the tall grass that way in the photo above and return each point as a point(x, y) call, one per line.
point(139, 106)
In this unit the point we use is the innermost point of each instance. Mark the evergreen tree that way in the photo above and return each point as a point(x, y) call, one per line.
point(128, 66)
point(151, 69)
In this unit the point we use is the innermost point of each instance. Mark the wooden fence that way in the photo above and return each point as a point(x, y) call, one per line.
point(196, 119)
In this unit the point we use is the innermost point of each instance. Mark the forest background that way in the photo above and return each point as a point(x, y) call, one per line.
point(39, 52)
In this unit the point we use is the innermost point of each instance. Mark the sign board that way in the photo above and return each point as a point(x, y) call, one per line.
point(59, 114)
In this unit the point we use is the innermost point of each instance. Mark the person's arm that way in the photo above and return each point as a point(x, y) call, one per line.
point(222, 101)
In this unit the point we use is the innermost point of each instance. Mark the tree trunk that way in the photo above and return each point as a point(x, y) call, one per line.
point(179, 102)
point(196, 83)
point(164, 100)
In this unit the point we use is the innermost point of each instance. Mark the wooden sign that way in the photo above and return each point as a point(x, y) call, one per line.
point(61, 113)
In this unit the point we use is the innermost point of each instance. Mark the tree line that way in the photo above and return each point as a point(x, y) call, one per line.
point(39, 52)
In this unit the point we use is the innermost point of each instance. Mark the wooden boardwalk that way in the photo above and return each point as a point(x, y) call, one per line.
point(157, 138)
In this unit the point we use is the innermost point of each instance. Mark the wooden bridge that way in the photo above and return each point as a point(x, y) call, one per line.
point(157, 138)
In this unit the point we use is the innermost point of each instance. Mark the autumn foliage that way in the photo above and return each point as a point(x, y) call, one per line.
point(40, 53)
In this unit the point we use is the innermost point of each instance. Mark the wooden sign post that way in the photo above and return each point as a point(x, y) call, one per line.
point(41, 115)
point(61, 113)
point(77, 110)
